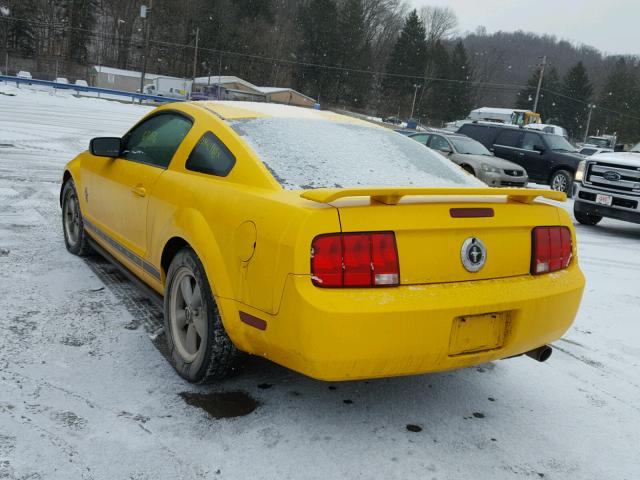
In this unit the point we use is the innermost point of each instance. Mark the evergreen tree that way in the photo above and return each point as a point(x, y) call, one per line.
point(461, 92)
point(437, 103)
point(549, 102)
point(408, 57)
point(577, 87)
point(81, 19)
point(353, 86)
point(319, 46)
point(620, 94)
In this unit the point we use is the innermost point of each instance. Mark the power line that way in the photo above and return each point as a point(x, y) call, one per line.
point(264, 58)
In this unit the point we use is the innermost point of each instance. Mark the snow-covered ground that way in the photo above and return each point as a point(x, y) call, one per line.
point(84, 392)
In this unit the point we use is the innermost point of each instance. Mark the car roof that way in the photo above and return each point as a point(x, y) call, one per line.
point(232, 110)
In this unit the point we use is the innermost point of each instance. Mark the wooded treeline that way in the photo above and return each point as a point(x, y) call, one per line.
point(375, 56)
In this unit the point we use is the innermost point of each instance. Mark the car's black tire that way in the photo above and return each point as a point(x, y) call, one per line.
point(586, 218)
point(75, 237)
point(200, 321)
point(562, 181)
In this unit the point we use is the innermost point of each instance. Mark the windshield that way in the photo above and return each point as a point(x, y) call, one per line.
point(467, 146)
point(309, 153)
point(598, 142)
point(559, 144)
point(636, 148)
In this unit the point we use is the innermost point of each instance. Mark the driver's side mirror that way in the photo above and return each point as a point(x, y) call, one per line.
point(538, 148)
point(106, 147)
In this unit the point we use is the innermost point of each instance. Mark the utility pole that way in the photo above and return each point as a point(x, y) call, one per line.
point(195, 54)
point(415, 95)
point(5, 12)
point(144, 13)
point(586, 132)
point(544, 64)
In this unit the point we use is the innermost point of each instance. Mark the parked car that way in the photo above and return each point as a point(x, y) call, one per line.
point(324, 243)
point(81, 83)
point(589, 150)
point(475, 159)
point(548, 159)
point(62, 80)
point(608, 185)
point(24, 74)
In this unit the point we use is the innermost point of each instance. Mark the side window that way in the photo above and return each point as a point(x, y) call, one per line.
point(156, 140)
point(439, 143)
point(423, 139)
point(211, 156)
point(530, 141)
point(508, 138)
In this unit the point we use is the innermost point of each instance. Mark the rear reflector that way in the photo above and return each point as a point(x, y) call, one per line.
point(368, 259)
point(551, 249)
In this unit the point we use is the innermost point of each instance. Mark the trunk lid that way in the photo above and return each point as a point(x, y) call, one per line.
point(431, 230)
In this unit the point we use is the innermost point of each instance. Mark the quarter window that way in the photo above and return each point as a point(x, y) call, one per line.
point(156, 140)
point(508, 138)
point(211, 156)
point(423, 139)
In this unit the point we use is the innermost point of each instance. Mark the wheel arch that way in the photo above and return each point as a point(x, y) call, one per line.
point(556, 169)
point(66, 176)
point(171, 248)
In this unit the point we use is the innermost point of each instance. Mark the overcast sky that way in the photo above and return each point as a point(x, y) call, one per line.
point(612, 26)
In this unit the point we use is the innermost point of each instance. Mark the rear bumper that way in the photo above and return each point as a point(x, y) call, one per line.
point(347, 334)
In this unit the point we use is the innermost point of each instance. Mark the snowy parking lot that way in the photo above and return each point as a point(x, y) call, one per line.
point(86, 393)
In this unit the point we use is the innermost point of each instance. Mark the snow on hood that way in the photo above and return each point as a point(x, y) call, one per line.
point(305, 153)
point(631, 159)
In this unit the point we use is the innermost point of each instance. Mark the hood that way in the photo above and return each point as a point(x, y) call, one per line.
point(491, 160)
point(631, 159)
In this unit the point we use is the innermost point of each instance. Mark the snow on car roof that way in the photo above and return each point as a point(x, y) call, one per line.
point(231, 110)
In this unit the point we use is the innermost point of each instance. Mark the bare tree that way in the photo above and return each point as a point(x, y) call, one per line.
point(440, 23)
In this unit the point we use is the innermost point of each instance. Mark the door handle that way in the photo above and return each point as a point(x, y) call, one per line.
point(139, 190)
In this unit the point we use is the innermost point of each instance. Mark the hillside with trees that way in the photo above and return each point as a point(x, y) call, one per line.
point(373, 56)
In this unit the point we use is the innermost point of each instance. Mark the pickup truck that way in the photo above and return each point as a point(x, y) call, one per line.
point(608, 185)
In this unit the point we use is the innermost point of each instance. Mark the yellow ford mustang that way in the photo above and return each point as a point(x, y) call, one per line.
point(326, 244)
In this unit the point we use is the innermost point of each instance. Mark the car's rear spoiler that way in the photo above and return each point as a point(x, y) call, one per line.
point(391, 196)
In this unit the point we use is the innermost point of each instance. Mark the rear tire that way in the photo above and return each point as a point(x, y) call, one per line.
point(75, 237)
point(199, 347)
point(586, 218)
point(562, 181)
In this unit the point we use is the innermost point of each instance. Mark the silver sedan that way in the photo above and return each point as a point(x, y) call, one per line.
point(475, 159)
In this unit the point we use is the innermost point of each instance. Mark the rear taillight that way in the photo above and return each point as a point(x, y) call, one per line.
point(367, 259)
point(551, 249)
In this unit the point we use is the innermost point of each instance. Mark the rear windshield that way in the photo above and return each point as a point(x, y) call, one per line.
point(304, 153)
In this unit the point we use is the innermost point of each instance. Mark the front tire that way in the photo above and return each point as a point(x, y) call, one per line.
point(562, 181)
point(75, 237)
point(586, 218)
point(199, 347)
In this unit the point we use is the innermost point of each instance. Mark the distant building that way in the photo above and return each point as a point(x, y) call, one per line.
point(225, 87)
point(118, 79)
point(228, 87)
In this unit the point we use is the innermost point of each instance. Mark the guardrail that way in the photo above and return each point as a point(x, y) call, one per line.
point(81, 88)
